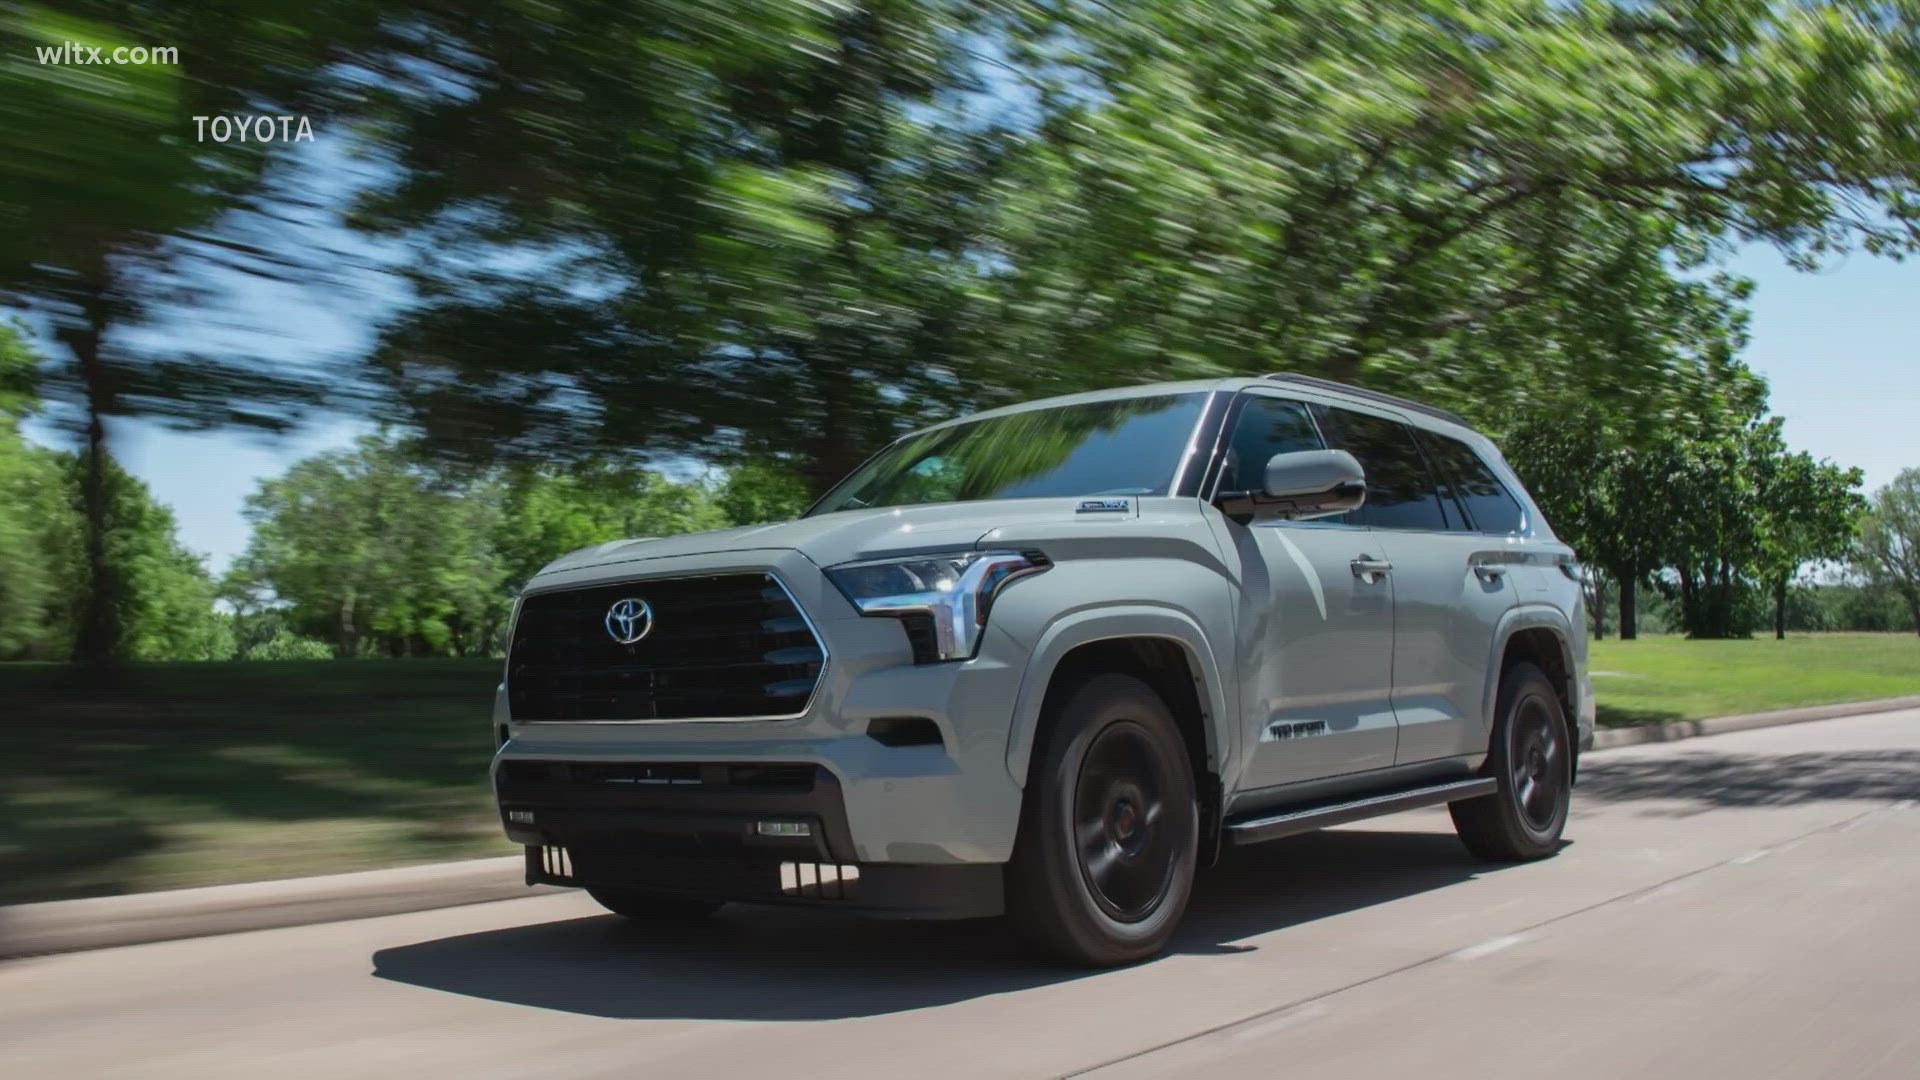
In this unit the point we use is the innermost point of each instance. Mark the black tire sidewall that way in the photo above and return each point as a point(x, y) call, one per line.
point(1050, 864)
point(1524, 682)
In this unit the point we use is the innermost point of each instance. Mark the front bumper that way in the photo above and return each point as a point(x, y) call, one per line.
point(951, 802)
point(749, 831)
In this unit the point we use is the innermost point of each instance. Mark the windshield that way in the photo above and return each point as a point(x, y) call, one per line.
point(1125, 447)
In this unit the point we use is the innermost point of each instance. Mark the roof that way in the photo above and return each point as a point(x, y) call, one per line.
point(1370, 395)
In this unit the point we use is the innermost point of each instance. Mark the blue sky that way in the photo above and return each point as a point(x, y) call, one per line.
point(1841, 349)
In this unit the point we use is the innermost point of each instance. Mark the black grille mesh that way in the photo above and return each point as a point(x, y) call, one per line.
point(726, 646)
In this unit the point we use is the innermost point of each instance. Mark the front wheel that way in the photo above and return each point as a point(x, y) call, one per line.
point(1103, 867)
point(1530, 758)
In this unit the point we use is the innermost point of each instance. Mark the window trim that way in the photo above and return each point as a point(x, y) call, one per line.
point(1209, 489)
point(1433, 470)
point(1525, 512)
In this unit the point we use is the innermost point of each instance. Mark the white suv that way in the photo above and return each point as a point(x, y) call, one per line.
point(1045, 660)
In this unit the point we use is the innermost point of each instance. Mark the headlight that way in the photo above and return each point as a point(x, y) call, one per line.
point(948, 594)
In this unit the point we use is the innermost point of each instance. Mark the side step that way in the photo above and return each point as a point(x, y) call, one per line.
point(1309, 818)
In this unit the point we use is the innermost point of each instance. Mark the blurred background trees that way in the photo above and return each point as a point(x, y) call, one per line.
point(665, 265)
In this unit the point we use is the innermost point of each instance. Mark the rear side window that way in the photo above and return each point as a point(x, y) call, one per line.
point(1401, 490)
point(1490, 506)
point(1267, 426)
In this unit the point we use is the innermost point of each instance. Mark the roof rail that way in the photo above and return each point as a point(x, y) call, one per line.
point(1370, 395)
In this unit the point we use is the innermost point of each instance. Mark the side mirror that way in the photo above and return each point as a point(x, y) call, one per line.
point(1301, 485)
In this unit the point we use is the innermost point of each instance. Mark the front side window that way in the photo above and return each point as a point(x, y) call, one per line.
point(1128, 446)
point(1401, 493)
point(1266, 426)
point(1492, 508)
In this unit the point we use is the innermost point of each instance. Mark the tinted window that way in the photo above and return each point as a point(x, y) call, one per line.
point(1125, 447)
point(1489, 504)
point(1401, 493)
point(1267, 426)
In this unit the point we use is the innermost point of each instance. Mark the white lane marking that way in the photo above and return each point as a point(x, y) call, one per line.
point(1752, 856)
point(1903, 804)
point(1313, 576)
point(1489, 947)
point(1281, 1021)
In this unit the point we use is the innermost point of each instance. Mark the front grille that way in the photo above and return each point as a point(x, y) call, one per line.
point(727, 646)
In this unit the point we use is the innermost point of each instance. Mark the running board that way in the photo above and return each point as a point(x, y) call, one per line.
point(1307, 819)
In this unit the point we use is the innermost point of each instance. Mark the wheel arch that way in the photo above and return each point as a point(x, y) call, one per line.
point(1164, 648)
point(1542, 636)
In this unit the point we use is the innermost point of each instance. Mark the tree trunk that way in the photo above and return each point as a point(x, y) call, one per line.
point(836, 449)
point(1629, 616)
point(1780, 607)
point(101, 632)
point(348, 637)
point(1599, 605)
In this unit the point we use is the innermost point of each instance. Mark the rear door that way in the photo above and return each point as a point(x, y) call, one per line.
point(1451, 581)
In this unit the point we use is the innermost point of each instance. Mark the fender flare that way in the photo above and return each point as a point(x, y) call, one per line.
point(1072, 630)
point(1531, 616)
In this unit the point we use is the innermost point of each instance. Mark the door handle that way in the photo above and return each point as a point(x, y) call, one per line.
point(1489, 571)
point(1370, 570)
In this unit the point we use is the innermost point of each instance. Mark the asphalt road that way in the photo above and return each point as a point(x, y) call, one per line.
point(1744, 905)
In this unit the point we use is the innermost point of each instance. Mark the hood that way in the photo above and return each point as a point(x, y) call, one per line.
point(845, 536)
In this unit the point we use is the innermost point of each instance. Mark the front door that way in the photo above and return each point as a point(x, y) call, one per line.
point(1315, 620)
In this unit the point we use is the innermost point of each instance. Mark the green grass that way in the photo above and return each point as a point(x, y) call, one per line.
point(1670, 678)
point(198, 774)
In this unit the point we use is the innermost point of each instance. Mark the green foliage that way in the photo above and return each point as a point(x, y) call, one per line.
point(1713, 510)
point(1482, 203)
point(742, 231)
point(755, 492)
point(381, 551)
point(551, 510)
point(1889, 545)
point(377, 554)
point(285, 645)
point(166, 602)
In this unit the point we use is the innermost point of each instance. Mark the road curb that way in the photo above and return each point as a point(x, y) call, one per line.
point(107, 922)
point(111, 921)
point(1673, 730)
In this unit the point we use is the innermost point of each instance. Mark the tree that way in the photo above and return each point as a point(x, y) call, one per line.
point(551, 510)
point(1889, 545)
point(755, 493)
point(378, 553)
point(741, 232)
point(1471, 201)
point(382, 550)
point(1809, 511)
point(110, 207)
point(29, 498)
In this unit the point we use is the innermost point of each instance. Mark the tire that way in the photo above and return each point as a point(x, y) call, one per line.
point(647, 907)
point(1530, 756)
point(1109, 831)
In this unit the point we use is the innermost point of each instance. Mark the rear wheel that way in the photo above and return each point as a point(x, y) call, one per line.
point(649, 907)
point(1529, 756)
point(1103, 868)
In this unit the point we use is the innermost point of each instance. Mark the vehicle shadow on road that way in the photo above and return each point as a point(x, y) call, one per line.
point(761, 963)
point(1699, 781)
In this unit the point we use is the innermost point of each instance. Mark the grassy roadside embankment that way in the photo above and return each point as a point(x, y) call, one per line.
point(200, 774)
point(1672, 678)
